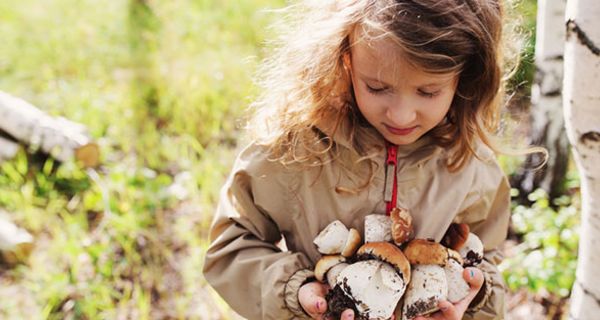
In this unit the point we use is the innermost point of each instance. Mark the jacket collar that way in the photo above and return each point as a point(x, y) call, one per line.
point(412, 154)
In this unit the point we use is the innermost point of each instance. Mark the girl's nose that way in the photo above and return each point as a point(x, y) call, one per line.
point(401, 113)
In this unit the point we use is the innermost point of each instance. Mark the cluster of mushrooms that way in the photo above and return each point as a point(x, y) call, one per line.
point(372, 278)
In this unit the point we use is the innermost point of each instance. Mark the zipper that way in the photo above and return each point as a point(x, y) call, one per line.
point(390, 194)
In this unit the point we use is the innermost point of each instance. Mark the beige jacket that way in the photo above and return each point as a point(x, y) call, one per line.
point(264, 202)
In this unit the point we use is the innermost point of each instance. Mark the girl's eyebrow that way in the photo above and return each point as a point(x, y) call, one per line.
point(365, 77)
point(439, 83)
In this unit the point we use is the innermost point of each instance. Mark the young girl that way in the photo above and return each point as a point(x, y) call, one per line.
point(367, 105)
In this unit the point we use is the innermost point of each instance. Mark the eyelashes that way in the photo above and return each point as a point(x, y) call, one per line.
point(427, 94)
point(382, 90)
point(375, 90)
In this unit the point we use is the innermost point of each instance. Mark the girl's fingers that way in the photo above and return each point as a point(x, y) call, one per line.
point(314, 307)
point(312, 300)
point(348, 314)
point(320, 305)
point(448, 310)
point(474, 277)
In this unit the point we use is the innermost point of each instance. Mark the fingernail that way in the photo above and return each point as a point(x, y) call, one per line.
point(350, 316)
point(472, 274)
point(444, 308)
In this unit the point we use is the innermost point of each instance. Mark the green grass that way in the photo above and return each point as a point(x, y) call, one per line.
point(162, 86)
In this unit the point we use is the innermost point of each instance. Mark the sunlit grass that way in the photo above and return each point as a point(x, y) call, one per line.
point(162, 89)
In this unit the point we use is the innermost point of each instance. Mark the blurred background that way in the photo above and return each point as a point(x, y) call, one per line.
point(162, 87)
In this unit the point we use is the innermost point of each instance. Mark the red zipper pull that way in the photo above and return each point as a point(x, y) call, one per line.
point(390, 189)
point(392, 151)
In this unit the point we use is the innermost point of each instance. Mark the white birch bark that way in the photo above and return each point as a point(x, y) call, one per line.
point(8, 149)
point(59, 137)
point(582, 116)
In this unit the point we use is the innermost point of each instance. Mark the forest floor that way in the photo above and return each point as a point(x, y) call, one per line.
point(524, 305)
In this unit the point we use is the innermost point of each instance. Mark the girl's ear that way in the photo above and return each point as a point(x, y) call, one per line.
point(347, 61)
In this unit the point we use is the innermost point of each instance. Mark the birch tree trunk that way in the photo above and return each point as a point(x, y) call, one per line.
point(59, 137)
point(547, 123)
point(582, 115)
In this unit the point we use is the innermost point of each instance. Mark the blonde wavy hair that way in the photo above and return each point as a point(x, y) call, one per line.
point(306, 88)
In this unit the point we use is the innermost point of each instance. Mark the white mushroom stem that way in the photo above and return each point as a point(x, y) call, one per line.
point(378, 228)
point(427, 286)
point(458, 288)
point(332, 239)
point(333, 274)
point(375, 287)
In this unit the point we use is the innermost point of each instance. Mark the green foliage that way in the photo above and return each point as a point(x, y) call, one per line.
point(524, 12)
point(546, 258)
point(162, 86)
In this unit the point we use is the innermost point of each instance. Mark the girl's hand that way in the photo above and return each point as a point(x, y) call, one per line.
point(449, 311)
point(312, 298)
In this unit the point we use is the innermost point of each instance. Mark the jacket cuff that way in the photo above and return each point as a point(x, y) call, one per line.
point(475, 306)
point(291, 291)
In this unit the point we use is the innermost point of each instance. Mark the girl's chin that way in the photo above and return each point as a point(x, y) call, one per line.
point(402, 140)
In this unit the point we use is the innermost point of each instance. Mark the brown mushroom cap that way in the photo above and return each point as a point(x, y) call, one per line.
point(352, 243)
point(326, 263)
point(421, 251)
point(456, 236)
point(387, 252)
point(455, 255)
point(402, 228)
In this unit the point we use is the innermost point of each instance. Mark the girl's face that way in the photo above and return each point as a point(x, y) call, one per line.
point(399, 100)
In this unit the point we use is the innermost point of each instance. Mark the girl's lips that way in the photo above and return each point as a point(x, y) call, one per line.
point(400, 131)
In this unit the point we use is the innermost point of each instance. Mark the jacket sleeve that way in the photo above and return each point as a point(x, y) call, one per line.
point(244, 263)
point(488, 217)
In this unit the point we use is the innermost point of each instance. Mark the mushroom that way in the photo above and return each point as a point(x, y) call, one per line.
point(428, 283)
point(436, 275)
point(421, 251)
point(402, 228)
point(374, 285)
point(329, 267)
point(472, 251)
point(337, 239)
point(458, 288)
point(456, 236)
point(378, 228)
point(427, 286)
point(352, 243)
point(386, 252)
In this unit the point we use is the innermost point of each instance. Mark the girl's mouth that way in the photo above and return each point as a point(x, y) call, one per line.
point(400, 131)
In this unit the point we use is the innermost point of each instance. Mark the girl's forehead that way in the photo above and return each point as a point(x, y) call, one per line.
point(384, 60)
point(382, 51)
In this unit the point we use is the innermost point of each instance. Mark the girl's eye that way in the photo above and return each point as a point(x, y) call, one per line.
point(375, 90)
point(427, 94)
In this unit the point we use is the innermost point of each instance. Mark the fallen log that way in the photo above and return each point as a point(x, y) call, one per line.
point(8, 149)
point(59, 137)
point(15, 243)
